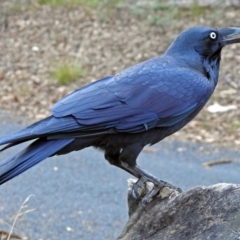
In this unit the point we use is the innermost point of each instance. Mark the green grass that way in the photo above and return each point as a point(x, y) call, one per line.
point(197, 11)
point(66, 73)
point(80, 2)
point(19, 7)
point(156, 13)
point(163, 13)
point(235, 124)
point(67, 2)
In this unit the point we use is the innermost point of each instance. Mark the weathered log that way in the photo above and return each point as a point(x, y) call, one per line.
point(201, 213)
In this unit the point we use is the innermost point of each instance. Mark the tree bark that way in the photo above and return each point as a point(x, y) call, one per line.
point(201, 213)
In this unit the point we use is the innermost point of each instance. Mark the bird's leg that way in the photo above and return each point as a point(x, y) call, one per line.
point(126, 160)
point(144, 177)
point(113, 159)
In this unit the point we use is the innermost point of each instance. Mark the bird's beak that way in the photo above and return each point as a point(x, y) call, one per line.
point(230, 35)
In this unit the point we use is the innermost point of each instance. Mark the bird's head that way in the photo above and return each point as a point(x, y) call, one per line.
point(203, 42)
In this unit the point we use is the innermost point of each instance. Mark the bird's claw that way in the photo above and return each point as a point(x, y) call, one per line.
point(138, 187)
point(150, 189)
point(149, 197)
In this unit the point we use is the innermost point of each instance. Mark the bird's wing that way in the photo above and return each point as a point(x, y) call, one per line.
point(52, 125)
point(155, 93)
point(138, 98)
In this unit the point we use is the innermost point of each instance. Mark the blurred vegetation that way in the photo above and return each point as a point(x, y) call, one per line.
point(162, 12)
point(81, 2)
point(66, 73)
point(155, 12)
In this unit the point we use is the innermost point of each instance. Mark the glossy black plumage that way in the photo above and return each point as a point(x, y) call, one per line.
point(121, 114)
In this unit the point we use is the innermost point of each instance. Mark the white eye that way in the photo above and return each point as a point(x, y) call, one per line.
point(213, 35)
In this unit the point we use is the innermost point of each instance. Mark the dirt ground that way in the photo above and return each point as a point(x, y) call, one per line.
point(101, 41)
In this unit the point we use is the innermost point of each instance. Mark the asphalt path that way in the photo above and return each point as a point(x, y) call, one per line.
point(80, 196)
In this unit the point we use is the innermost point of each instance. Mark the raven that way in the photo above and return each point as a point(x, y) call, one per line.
point(121, 114)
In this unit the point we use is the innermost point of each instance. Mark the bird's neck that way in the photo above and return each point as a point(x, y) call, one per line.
point(211, 67)
point(189, 59)
point(207, 66)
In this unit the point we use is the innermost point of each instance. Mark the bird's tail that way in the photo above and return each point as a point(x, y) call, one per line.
point(30, 156)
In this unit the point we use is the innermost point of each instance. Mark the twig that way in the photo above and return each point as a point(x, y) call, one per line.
point(212, 163)
point(5, 235)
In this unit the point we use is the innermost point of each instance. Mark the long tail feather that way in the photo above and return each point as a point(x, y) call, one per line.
point(30, 156)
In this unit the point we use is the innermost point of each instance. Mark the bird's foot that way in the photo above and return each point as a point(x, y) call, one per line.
point(146, 190)
point(149, 187)
point(143, 191)
point(157, 182)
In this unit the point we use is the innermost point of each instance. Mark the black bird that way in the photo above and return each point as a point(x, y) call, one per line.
point(121, 114)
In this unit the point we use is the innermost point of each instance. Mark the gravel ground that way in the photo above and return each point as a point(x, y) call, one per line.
point(34, 39)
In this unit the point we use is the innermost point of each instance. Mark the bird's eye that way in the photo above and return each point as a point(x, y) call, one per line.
point(213, 35)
